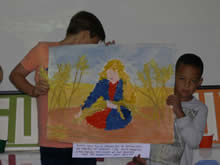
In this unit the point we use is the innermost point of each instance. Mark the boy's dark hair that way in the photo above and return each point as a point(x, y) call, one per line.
point(84, 20)
point(190, 59)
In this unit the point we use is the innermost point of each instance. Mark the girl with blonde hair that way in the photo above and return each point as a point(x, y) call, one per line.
point(109, 106)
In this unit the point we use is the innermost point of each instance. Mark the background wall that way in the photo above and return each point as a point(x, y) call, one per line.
point(193, 26)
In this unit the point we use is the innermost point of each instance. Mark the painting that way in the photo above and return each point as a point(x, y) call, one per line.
point(110, 94)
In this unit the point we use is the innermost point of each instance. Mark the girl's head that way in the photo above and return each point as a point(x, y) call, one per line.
point(112, 76)
point(113, 71)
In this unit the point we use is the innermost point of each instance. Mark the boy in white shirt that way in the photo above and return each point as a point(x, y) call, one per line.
point(191, 116)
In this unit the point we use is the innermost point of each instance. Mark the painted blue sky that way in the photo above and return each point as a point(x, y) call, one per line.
point(133, 56)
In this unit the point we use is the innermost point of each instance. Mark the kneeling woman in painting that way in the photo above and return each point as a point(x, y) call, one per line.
point(109, 106)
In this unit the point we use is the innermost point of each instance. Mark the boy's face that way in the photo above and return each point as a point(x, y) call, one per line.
point(187, 80)
point(94, 40)
point(84, 38)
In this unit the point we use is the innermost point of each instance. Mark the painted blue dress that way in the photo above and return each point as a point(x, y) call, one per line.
point(108, 118)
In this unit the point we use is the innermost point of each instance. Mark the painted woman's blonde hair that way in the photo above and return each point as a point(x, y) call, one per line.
point(128, 89)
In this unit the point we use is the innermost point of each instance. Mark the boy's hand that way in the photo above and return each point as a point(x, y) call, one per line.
point(139, 161)
point(41, 88)
point(110, 43)
point(175, 102)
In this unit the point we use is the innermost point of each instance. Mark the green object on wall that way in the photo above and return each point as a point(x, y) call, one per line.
point(12, 119)
point(27, 115)
point(11, 111)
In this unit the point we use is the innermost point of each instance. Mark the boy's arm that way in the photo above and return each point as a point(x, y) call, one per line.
point(192, 130)
point(18, 78)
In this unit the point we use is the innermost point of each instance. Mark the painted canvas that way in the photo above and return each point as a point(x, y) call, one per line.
point(110, 94)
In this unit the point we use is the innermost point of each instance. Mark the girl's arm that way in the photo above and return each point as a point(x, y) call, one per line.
point(95, 94)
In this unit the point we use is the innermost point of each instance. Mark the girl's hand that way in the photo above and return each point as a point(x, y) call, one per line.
point(175, 102)
point(110, 105)
point(78, 114)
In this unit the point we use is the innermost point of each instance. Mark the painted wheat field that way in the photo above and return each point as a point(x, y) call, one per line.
point(110, 95)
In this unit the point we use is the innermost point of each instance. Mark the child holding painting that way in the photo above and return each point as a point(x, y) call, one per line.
point(191, 116)
point(84, 28)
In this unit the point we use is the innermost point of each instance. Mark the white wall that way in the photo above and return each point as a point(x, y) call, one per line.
point(193, 26)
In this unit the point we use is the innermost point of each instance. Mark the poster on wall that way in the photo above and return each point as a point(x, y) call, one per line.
point(110, 94)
